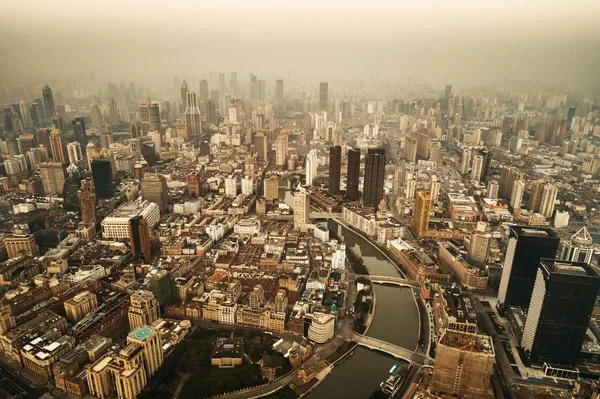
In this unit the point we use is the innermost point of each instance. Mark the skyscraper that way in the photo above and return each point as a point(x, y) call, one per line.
point(312, 165)
point(353, 175)
point(103, 178)
point(508, 177)
point(374, 175)
point(420, 220)
point(301, 208)
point(464, 363)
point(58, 146)
point(49, 107)
point(281, 150)
point(192, 117)
point(150, 116)
point(184, 93)
point(323, 96)
point(579, 247)
point(535, 195)
point(526, 246)
point(562, 300)
point(222, 87)
point(516, 198)
point(143, 309)
point(465, 163)
point(53, 177)
point(410, 149)
point(79, 131)
point(479, 244)
point(279, 94)
point(477, 169)
point(71, 187)
point(25, 114)
point(139, 238)
point(335, 166)
point(203, 94)
point(260, 146)
point(154, 189)
point(548, 200)
point(87, 203)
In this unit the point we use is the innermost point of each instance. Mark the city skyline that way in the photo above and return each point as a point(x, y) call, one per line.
point(427, 42)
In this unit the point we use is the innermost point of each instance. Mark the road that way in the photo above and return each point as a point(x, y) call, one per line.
point(262, 390)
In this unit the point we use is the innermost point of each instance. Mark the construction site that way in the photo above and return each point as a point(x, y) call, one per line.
point(464, 363)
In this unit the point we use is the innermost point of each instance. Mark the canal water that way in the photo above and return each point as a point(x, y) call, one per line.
point(396, 321)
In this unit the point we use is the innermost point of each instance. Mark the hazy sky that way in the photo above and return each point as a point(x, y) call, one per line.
point(459, 41)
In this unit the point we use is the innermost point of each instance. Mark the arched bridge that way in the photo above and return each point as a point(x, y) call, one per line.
point(390, 280)
point(398, 352)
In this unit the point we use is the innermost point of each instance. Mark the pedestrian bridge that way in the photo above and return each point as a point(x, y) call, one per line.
point(390, 280)
point(415, 358)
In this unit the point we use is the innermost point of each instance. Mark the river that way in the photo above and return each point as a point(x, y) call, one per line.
point(396, 321)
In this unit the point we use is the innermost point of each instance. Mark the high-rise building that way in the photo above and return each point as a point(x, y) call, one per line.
point(465, 163)
point(479, 244)
point(53, 177)
point(192, 117)
point(49, 107)
point(335, 166)
point(148, 339)
point(420, 220)
point(562, 300)
point(353, 175)
point(72, 185)
point(526, 246)
point(548, 200)
point(87, 203)
point(487, 163)
point(143, 309)
point(435, 188)
point(508, 177)
point(75, 153)
point(312, 165)
point(516, 198)
point(231, 186)
point(135, 131)
point(203, 94)
point(535, 195)
point(79, 132)
point(150, 116)
point(103, 178)
point(279, 94)
point(96, 115)
point(139, 238)
point(25, 115)
point(374, 176)
point(260, 146)
point(464, 363)
point(113, 112)
point(477, 169)
point(579, 247)
point(281, 150)
point(323, 96)
point(154, 189)
point(58, 146)
point(410, 149)
point(301, 208)
point(80, 305)
point(271, 187)
point(184, 93)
